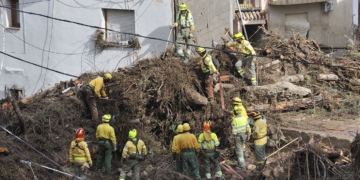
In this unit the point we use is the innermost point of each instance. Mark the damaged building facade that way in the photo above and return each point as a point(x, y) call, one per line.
point(38, 51)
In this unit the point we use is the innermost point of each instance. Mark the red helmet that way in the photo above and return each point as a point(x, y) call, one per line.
point(207, 125)
point(80, 132)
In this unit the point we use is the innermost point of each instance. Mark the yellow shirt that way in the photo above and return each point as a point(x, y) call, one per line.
point(98, 85)
point(207, 65)
point(173, 146)
point(130, 148)
point(243, 47)
point(187, 141)
point(79, 152)
point(105, 131)
point(259, 132)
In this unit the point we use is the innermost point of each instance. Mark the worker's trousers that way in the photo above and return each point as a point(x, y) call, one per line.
point(178, 163)
point(104, 157)
point(91, 103)
point(239, 149)
point(78, 171)
point(183, 37)
point(209, 157)
point(246, 62)
point(189, 160)
point(209, 86)
point(134, 166)
point(260, 154)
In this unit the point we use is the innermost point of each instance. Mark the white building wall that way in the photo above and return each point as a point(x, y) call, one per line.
point(72, 47)
point(326, 28)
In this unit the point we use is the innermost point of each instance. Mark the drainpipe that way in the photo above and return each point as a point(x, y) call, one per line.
point(242, 21)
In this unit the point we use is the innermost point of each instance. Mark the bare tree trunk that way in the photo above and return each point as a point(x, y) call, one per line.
point(195, 98)
point(19, 114)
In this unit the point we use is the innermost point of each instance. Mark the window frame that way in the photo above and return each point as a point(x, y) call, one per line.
point(15, 15)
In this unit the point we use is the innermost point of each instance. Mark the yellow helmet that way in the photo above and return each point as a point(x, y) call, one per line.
point(237, 100)
point(182, 7)
point(238, 35)
point(186, 127)
point(201, 51)
point(108, 76)
point(132, 133)
point(106, 117)
point(237, 110)
point(179, 128)
point(256, 115)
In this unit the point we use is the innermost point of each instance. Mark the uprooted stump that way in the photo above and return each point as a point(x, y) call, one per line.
point(355, 151)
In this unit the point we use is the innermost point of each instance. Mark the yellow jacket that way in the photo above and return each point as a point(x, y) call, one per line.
point(105, 131)
point(98, 85)
point(185, 20)
point(243, 47)
point(240, 125)
point(259, 132)
point(130, 148)
point(173, 146)
point(243, 111)
point(208, 145)
point(207, 65)
point(79, 152)
point(187, 141)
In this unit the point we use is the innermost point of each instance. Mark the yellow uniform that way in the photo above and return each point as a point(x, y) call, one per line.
point(79, 152)
point(243, 47)
point(130, 148)
point(187, 141)
point(105, 131)
point(259, 132)
point(173, 146)
point(97, 86)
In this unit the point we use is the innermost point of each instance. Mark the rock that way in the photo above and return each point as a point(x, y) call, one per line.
point(251, 167)
point(266, 173)
point(144, 173)
point(278, 171)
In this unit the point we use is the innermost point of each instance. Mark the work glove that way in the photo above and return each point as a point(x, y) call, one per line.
point(90, 164)
point(174, 25)
point(192, 28)
point(191, 36)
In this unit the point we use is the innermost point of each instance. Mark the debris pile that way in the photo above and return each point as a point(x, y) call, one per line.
point(355, 154)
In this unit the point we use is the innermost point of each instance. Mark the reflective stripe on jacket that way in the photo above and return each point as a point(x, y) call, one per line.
point(185, 20)
point(207, 65)
point(208, 144)
point(98, 85)
point(240, 125)
point(259, 132)
point(105, 131)
point(130, 148)
point(79, 153)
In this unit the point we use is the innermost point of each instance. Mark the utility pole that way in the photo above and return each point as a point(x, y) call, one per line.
point(242, 21)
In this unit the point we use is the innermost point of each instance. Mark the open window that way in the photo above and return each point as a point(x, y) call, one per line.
point(122, 21)
point(14, 15)
point(15, 93)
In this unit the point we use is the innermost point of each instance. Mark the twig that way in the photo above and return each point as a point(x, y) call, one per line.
point(281, 148)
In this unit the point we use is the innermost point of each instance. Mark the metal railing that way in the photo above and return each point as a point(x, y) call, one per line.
point(123, 40)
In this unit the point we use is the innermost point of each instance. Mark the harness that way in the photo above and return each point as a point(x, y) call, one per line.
point(77, 145)
point(186, 16)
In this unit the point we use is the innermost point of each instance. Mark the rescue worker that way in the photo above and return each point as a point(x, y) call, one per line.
point(188, 147)
point(133, 154)
point(95, 89)
point(241, 131)
point(79, 155)
point(105, 135)
point(247, 56)
point(259, 134)
point(209, 70)
point(185, 22)
point(177, 157)
point(208, 142)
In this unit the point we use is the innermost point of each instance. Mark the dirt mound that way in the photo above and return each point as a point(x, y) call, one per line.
point(153, 96)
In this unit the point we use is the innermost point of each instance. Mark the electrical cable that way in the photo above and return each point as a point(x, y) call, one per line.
point(163, 40)
point(2, 127)
point(53, 70)
point(30, 2)
point(70, 54)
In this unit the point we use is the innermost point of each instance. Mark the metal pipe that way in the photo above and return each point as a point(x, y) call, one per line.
point(242, 21)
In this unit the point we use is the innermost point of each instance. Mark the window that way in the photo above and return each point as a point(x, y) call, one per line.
point(15, 15)
point(122, 21)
